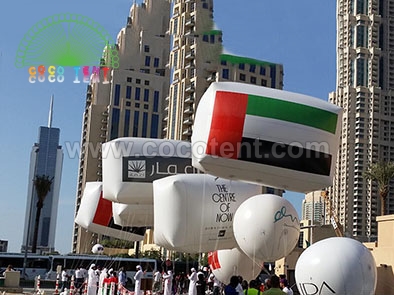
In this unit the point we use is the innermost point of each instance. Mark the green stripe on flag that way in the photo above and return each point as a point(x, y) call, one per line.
point(291, 112)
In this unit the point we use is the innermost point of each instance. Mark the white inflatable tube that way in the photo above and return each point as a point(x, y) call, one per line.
point(194, 213)
point(130, 165)
point(132, 215)
point(95, 215)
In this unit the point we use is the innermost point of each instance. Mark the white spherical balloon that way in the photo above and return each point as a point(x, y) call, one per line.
point(336, 266)
point(98, 249)
point(232, 262)
point(266, 227)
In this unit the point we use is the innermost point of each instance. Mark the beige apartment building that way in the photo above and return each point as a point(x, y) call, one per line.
point(132, 103)
point(158, 85)
point(365, 83)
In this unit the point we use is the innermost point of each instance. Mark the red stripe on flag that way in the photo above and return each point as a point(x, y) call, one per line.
point(103, 213)
point(213, 260)
point(227, 124)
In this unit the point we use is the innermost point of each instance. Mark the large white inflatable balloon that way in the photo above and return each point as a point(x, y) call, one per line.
point(232, 262)
point(266, 227)
point(95, 214)
point(131, 164)
point(132, 215)
point(98, 249)
point(194, 213)
point(336, 266)
point(267, 136)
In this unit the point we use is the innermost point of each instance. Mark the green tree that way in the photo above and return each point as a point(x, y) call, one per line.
point(42, 184)
point(381, 173)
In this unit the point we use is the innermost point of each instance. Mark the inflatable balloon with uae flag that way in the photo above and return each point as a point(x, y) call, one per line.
point(267, 136)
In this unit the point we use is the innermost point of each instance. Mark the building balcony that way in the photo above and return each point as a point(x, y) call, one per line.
point(105, 120)
point(189, 88)
point(189, 55)
point(188, 110)
point(189, 65)
point(167, 98)
point(165, 118)
point(188, 121)
point(189, 22)
point(189, 99)
point(187, 132)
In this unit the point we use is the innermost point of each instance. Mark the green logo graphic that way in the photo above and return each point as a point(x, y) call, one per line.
point(67, 40)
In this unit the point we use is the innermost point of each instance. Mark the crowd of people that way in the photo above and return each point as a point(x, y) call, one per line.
point(101, 281)
point(204, 282)
point(97, 280)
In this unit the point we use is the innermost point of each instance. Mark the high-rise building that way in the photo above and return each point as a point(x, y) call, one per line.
point(313, 207)
point(46, 159)
point(155, 91)
point(365, 83)
point(197, 60)
point(132, 102)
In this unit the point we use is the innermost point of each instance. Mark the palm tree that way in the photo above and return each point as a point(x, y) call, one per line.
point(382, 173)
point(42, 185)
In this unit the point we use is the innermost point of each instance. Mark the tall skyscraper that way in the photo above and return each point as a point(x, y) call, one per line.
point(365, 83)
point(197, 60)
point(46, 158)
point(132, 103)
point(155, 91)
point(313, 207)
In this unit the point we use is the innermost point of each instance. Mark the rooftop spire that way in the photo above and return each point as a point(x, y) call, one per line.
point(50, 113)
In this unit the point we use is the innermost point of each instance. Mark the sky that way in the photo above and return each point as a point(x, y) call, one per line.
point(298, 34)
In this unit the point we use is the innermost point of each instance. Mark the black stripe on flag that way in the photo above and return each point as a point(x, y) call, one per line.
point(284, 156)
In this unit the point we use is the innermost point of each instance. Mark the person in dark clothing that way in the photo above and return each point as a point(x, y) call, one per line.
point(230, 289)
point(201, 284)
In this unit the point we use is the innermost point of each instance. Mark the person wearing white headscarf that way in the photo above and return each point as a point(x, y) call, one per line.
point(167, 283)
point(193, 281)
point(102, 276)
point(137, 278)
point(92, 280)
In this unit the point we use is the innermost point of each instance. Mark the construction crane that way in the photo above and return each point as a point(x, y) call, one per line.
point(333, 217)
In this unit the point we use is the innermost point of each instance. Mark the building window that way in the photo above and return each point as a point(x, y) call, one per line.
point(205, 5)
point(253, 80)
point(156, 62)
point(146, 106)
point(225, 74)
point(252, 68)
point(146, 94)
point(128, 104)
point(262, 70)
point(128, 92)
point(135, 125)
point(146, 48)
point(144, 124)
point(241, 66)
point(212, 38)
point(138, 81)
point(129, 79)
point(156, 101)
point(223, 63)
point(126, 123)
point(117, 95)
point(115, 123)
point(242, 77)
point(263, 82)
point(137, 93)
point(205, 38)
point(137, 105)
point(154, 127)
point(146, 82)
point(147, 61)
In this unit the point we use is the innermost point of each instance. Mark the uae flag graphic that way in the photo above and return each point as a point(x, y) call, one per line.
point(233, 111)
